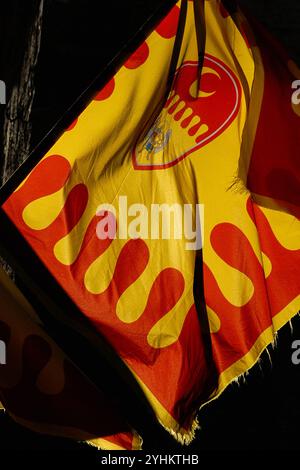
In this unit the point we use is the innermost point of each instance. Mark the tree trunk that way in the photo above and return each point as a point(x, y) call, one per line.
point(17, 123)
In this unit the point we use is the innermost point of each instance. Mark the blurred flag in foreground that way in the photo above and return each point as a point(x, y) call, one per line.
point(43, 390)
point(231, 146)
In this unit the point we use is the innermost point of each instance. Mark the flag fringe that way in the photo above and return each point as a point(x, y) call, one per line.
point(241, 379)
point(92, 444)
point(183, 438)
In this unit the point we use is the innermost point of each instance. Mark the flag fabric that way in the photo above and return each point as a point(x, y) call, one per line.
point(43, 390)
point(231, 147)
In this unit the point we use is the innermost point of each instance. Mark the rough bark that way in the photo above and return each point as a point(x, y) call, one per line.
point(17, 123)
point(17, 126)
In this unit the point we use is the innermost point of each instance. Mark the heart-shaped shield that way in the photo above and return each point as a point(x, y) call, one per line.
point(191, 118)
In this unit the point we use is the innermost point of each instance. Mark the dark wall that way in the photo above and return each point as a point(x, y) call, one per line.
point(280, 17)
point(81, 36)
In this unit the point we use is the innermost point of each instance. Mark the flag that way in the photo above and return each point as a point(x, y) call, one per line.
point(43, 390)
point(219, 153)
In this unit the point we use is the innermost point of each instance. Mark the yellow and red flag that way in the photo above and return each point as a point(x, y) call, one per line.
point(230, 146)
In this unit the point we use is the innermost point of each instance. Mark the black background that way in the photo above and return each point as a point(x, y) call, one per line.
point(79, 37)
